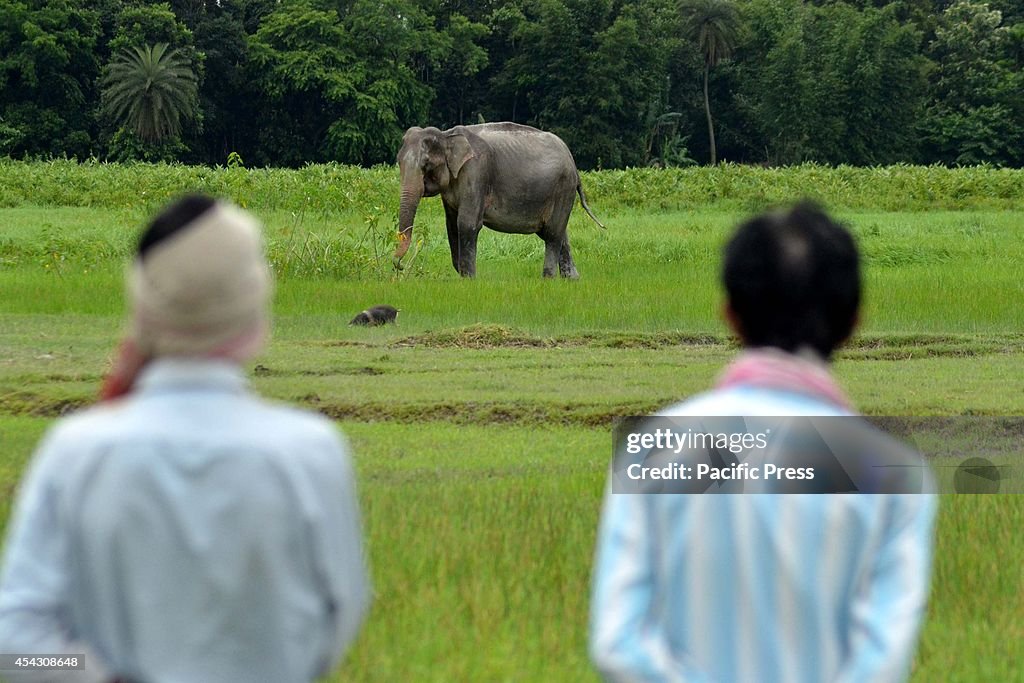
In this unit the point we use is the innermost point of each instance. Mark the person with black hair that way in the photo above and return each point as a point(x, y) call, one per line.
point(793, 282)
point(781, 587)
point(184, 529)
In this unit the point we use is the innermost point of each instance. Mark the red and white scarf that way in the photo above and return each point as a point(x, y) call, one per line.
point(804, 373)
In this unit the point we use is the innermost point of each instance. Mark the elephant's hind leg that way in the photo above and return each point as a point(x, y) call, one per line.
point(555, 234)
point(552, 249)
point(558, 257)
point(565, 263)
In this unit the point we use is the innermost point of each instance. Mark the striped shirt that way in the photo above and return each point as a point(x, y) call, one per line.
point(765, 588)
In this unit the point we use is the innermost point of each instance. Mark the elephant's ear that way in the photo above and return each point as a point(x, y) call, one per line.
point(458, 150)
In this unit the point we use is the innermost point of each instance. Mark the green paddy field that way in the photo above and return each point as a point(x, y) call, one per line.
point(481, 423)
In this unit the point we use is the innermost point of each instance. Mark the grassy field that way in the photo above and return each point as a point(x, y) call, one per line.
point(481, 423)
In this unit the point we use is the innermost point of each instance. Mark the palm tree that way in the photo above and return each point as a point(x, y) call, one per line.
point(714, 25)
point(149, 90)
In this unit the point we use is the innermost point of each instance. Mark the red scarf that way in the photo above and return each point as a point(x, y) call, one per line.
point(128, 363)
point(776, 369)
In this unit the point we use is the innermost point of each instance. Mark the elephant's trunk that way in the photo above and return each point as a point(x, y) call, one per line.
point(412, 192)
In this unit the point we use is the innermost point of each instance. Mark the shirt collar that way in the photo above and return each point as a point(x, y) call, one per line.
point(192, 373)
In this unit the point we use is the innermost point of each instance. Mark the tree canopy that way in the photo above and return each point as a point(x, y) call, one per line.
point(624, 82)
point(149, 90)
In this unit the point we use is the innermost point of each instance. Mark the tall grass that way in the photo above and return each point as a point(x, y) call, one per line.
point(940, 272)
point(333, 188)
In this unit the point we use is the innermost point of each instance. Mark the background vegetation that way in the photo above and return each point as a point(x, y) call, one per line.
point(333, 188)
point(481, 423)
point(625, 82)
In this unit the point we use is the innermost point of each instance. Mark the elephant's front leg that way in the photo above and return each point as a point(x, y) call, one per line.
point(467, 230)
point(467, 251)
point(451, 219)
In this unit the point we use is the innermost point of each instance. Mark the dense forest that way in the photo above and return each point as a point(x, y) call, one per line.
point(624, 82)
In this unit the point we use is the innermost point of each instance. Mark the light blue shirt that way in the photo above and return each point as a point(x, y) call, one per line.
point(767, 588)
point(189, 532)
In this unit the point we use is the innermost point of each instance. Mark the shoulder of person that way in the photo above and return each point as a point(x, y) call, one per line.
point(302, 430)
point(64, 448)
point(751, 401)
point(284, 415)
point(88, 424)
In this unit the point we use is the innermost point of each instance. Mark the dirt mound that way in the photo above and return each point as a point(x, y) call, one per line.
point(491, 336)
point(482, 336)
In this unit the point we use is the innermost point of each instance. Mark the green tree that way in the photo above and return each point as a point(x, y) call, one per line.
point(150, 90)
point(714, 25)
point(299, 67)
point(549, 43)
point(225, 94)
point(148, 24)
point(976, 108)
point(777, 93)
point(588, 71)
point(458, 89)
point(48, 71)
point(867, 83)
point(136, 25)
point(831, 84)
point(343, 84)
point(626, 76)
point(192, 12)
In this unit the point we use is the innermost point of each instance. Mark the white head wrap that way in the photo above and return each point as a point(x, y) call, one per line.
point(204, 290)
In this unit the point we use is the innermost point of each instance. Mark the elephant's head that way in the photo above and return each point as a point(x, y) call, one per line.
point(429, 161)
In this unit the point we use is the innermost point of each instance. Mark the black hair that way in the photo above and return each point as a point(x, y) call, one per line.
point(172, 219)
point(793, 280)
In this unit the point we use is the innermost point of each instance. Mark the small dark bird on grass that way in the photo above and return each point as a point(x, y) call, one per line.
point(378, 315)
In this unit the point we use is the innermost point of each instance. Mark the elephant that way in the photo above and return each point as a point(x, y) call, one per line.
point(510, 177)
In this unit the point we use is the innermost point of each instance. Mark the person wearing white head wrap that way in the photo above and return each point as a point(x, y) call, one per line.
point(188, 530)
point(199, 286)
point(203, 290)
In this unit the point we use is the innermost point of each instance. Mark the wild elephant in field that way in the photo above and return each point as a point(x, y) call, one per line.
point(508, 177)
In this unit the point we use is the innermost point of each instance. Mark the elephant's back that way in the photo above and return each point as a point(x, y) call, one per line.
point(516, 144)
point(508, 128)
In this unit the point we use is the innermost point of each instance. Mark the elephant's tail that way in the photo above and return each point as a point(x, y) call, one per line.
point(583, 203)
